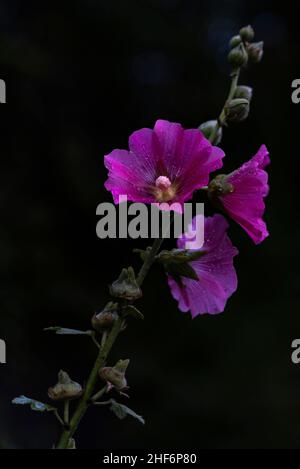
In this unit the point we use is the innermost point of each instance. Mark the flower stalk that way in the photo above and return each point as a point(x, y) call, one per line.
point(222, 117)
point(90, 386)
point(104, 351)
point(66, 412)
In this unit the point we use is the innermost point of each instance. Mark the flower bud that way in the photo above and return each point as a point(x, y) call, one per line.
point(115, 375)
point(208, 127)
point(238, 56)
point(105, 320)
point(243, 92)
point(126, 286)
point(236, 110)
point(65, 388)
point(247, 33)
point(235, 41)
point(256, 51)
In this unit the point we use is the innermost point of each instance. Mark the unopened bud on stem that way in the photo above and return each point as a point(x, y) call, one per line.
point(115, 375)
point(105, 320)
point(65, 389)
point(236, 110)
point(247, 33)
point(126, 286)
point(238, 56)
point(243, 92)
point(255, 51)
point(208, 129)
point(235, 41)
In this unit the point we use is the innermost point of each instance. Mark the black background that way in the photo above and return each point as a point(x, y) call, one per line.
point(81, 77)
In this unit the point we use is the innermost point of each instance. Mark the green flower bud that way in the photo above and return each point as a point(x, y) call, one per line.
point(65, 388)
point(105, 320)
point(238, 56)
point(255, 51)
point(235, 41)
point(236, 110)
point(126, 286)
point(243, 92)
point(208, 127)
point(115, 375)
point(247, 33)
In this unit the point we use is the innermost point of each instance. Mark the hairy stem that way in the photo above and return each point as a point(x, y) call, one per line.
point(106, 346)
point(220, 122)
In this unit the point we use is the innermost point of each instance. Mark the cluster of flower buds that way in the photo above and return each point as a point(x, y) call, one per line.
point(243, 49)
point(115, 375)
point(65, 389)
point(237, 107)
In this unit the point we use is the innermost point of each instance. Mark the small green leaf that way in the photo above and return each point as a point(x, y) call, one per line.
point(121, 411)
point(34, 405)
point(131, 310)
point(65, 331)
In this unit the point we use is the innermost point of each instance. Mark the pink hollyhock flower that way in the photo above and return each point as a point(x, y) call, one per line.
point(241, 194)
point(217, 279)
point(166, 164)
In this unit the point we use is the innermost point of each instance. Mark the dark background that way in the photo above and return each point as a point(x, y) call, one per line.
point(81, 76)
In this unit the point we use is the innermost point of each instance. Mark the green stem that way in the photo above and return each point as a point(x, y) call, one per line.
point(93, 337)
point(234, 81)
point(149, 260)
point(221, 119)
point(102, 356)
point(66, 411)
point(58, 417)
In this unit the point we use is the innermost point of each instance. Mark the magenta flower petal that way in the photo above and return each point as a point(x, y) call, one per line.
point(125, 177)
point(145, 148)
point(217, 279)
point(200, 159)
point(170, 136)
point(245, 203)
point(166, 164)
